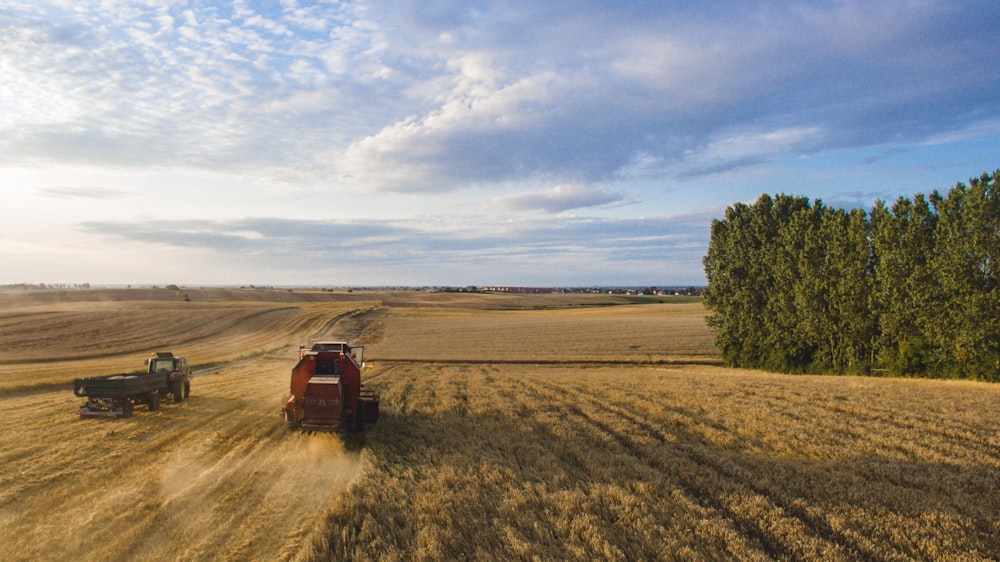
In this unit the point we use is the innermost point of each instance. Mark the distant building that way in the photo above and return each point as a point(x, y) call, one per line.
point(531, 290)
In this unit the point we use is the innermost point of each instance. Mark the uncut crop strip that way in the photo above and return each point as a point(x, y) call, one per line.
point(642, 463)
point(644, 333)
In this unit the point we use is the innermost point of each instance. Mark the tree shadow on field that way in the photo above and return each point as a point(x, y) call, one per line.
point(568, 482)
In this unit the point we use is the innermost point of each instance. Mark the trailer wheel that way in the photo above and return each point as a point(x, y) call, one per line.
point(153, 401)
point(127, 408)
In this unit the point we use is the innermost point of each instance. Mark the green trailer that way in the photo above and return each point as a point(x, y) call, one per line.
point(117, 395)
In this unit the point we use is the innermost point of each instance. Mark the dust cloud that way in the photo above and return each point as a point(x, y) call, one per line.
point(263, 500)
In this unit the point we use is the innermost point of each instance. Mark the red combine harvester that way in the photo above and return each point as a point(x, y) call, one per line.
point(327, 394)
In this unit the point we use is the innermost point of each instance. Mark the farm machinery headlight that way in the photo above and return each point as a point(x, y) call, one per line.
point(78, 391)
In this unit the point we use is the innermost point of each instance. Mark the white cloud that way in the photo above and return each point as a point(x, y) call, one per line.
point(166, 23)
point(739, 148)
point(310, 19)
point(305, 73)
point(422, 152)
point(560, 198)
point(266, 24)
point(93, 192)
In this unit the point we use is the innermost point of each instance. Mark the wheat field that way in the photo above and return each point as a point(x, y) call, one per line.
point(511, 429)
point(484, 461)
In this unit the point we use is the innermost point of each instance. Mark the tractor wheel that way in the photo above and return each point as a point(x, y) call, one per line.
point(178, 391)
point(126, 408)
point(360, 415)
point(153, 401)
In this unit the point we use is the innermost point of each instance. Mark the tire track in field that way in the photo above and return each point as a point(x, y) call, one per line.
point(731, 476)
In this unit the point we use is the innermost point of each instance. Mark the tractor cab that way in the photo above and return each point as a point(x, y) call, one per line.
point(165, 362)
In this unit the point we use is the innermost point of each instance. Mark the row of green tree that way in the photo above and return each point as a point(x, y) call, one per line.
point(908, 289)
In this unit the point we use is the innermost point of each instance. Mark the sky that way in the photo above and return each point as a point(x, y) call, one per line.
point(360, 143)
